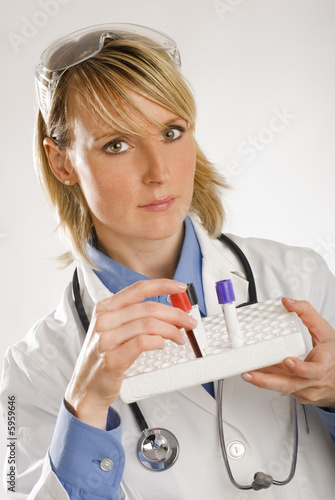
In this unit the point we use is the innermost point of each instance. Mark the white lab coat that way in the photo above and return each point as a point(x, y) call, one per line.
point(38, 369)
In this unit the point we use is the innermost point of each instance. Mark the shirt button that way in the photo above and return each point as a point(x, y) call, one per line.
point(106, 464)
point(235, 450)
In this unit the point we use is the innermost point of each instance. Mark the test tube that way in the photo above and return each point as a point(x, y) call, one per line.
point(226, 297)
point(199, 330)
point(182, 301)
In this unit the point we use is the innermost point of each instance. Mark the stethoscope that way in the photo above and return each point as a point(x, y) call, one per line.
point(157, 448)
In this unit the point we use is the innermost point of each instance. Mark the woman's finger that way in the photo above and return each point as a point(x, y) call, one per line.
point(145, 326)
point(140, 291)
point(109, 320)
point(273, 382)
point(318, 327)
point(120, 359)
point(315, 367)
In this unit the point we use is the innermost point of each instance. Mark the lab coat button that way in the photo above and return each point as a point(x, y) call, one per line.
point(106, 464)
point(235, 450)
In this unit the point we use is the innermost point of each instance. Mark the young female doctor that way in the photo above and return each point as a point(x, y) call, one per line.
point(140, 206)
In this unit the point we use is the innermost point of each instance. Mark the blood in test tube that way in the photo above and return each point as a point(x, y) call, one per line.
point(182, 301)
point(199, 330)
point(226, 297)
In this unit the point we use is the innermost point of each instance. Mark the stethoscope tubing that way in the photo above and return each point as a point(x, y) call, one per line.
point(246, 267)
point(224, 452)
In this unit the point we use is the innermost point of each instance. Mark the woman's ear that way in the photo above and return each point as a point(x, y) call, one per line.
point(59, 162)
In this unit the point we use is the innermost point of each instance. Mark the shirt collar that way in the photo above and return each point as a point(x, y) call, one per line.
point(189, 268)
point(115, 276)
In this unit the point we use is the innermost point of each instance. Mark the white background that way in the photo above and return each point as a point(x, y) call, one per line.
point(249, 61)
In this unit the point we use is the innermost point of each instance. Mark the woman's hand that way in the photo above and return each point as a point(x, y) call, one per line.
point(311, 381)
point(122, 327)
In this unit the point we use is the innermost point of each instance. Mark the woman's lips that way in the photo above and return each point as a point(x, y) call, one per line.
point(159, 204)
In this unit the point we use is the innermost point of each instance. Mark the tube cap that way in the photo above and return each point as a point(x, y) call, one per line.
point(192, 294)
point(181, 300)
point(225, 291)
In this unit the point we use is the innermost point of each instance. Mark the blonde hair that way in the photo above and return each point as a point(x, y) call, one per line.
point(101, 83)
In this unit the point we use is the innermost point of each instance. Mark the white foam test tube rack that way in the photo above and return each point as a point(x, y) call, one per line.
point(199, 330)
point(226, 298)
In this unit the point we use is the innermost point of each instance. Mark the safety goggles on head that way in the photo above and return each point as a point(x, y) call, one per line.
point(83, 44)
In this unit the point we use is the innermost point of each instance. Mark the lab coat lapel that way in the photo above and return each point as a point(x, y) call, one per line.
point(218, 263)
point(92, 290)
point(201, 397)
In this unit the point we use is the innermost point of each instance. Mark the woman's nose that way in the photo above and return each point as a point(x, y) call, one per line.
point(155, 164)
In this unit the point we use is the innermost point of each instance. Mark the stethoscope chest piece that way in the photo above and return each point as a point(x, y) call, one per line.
point(157, 449)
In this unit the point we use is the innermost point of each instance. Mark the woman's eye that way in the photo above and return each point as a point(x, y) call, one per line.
point(117, 147)
point(172, 133)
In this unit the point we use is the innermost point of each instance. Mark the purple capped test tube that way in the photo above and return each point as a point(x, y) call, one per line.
point(226, 297)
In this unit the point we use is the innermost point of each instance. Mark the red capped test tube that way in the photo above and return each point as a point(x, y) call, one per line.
point(199, 330)
point(182, 301)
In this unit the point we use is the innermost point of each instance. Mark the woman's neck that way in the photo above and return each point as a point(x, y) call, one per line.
point(153, 259)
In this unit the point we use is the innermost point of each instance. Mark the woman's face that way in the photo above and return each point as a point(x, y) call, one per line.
point(138, 189)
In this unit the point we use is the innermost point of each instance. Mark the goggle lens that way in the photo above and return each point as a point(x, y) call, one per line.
point(81, 45)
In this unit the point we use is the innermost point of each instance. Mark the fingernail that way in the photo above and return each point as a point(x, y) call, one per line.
point(246, 377)
point(182, 339)
point(183, 286)
point(289, 363)
point(193, 322)
point(289, 300)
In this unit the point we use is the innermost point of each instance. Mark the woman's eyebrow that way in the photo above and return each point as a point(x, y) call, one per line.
point(173, 120)
point(105, 134)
